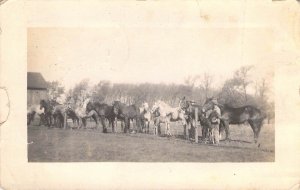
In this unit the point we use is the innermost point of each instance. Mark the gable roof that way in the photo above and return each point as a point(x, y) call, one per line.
point(36, 81)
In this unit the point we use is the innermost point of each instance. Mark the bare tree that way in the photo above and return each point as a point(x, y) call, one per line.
point(55, 89)
point(263, 88)
point(243, 76)
point(190, 80)
point(206, 83)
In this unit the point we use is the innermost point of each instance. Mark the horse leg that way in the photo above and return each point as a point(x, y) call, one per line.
point(253, 129)
point(159, 129)
point(148, 126)
point(29, 118)
point(155, 126)
point(54, 121)
point(78, 123)
point(203, 131)
point(128, 124)
point(186, 130)
point(226, 125)
point(62, 121)
point(84, 122)
point(259, 126)
point(122, 124)
point(114, 124)
point(49, 120)
point(111, 123)
point(41, 119)
point(167, 130)
point(95, 118)
point(46, 120)
point(256, 127)
point(102, 119)
point(138, 123)
point(126, 120)
point(59, 122)
point(62, 118)
point(143, 129)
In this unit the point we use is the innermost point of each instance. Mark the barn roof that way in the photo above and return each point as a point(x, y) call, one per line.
point(36, 81)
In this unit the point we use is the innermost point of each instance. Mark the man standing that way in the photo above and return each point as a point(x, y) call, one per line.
point(214, 118)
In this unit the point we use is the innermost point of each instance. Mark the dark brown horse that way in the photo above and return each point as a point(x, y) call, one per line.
point(71, 114)
point(58, 116)
point(103, 111)
point(48, 109)
point(240, 115)
point(127, 113)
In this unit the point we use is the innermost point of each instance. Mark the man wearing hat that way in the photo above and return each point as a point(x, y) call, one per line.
point(214, 116)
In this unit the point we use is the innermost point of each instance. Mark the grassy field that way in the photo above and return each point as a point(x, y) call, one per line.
point(89, 145)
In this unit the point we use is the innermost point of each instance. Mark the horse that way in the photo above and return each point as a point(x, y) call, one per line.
point(127, 113)
point(145, 117)
point(71, 114)
point(48, 109)
point(58, 115)
point(31, 113)
point(103, 111)
point(82, 113)
point(239, 115)
point(168, 114)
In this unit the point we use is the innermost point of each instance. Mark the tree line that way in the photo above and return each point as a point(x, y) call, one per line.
point(234, 91)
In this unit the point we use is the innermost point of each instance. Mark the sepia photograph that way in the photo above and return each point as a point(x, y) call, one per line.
point(95, 95)
point(149, 94)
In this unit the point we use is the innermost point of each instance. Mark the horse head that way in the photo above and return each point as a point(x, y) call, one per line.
point(89, 107)
point(144, 108)
point(155, 112)
point(183, 103)
point(43, 104)
point(154, 107)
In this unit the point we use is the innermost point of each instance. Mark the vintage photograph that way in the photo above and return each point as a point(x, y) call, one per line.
point(150, 94)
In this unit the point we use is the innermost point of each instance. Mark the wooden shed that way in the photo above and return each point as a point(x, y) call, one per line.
point(36, 88)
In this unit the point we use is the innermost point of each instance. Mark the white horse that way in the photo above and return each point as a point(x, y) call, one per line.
point(166, 114)
point(145, 117)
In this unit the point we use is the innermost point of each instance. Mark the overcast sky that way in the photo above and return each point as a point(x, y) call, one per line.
point(156, 46)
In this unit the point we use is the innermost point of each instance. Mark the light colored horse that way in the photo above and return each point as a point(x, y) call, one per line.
point(80, 111)
point(145, 117)
point(166, 114)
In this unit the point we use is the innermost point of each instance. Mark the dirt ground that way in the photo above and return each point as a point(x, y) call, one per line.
point(91, 145)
